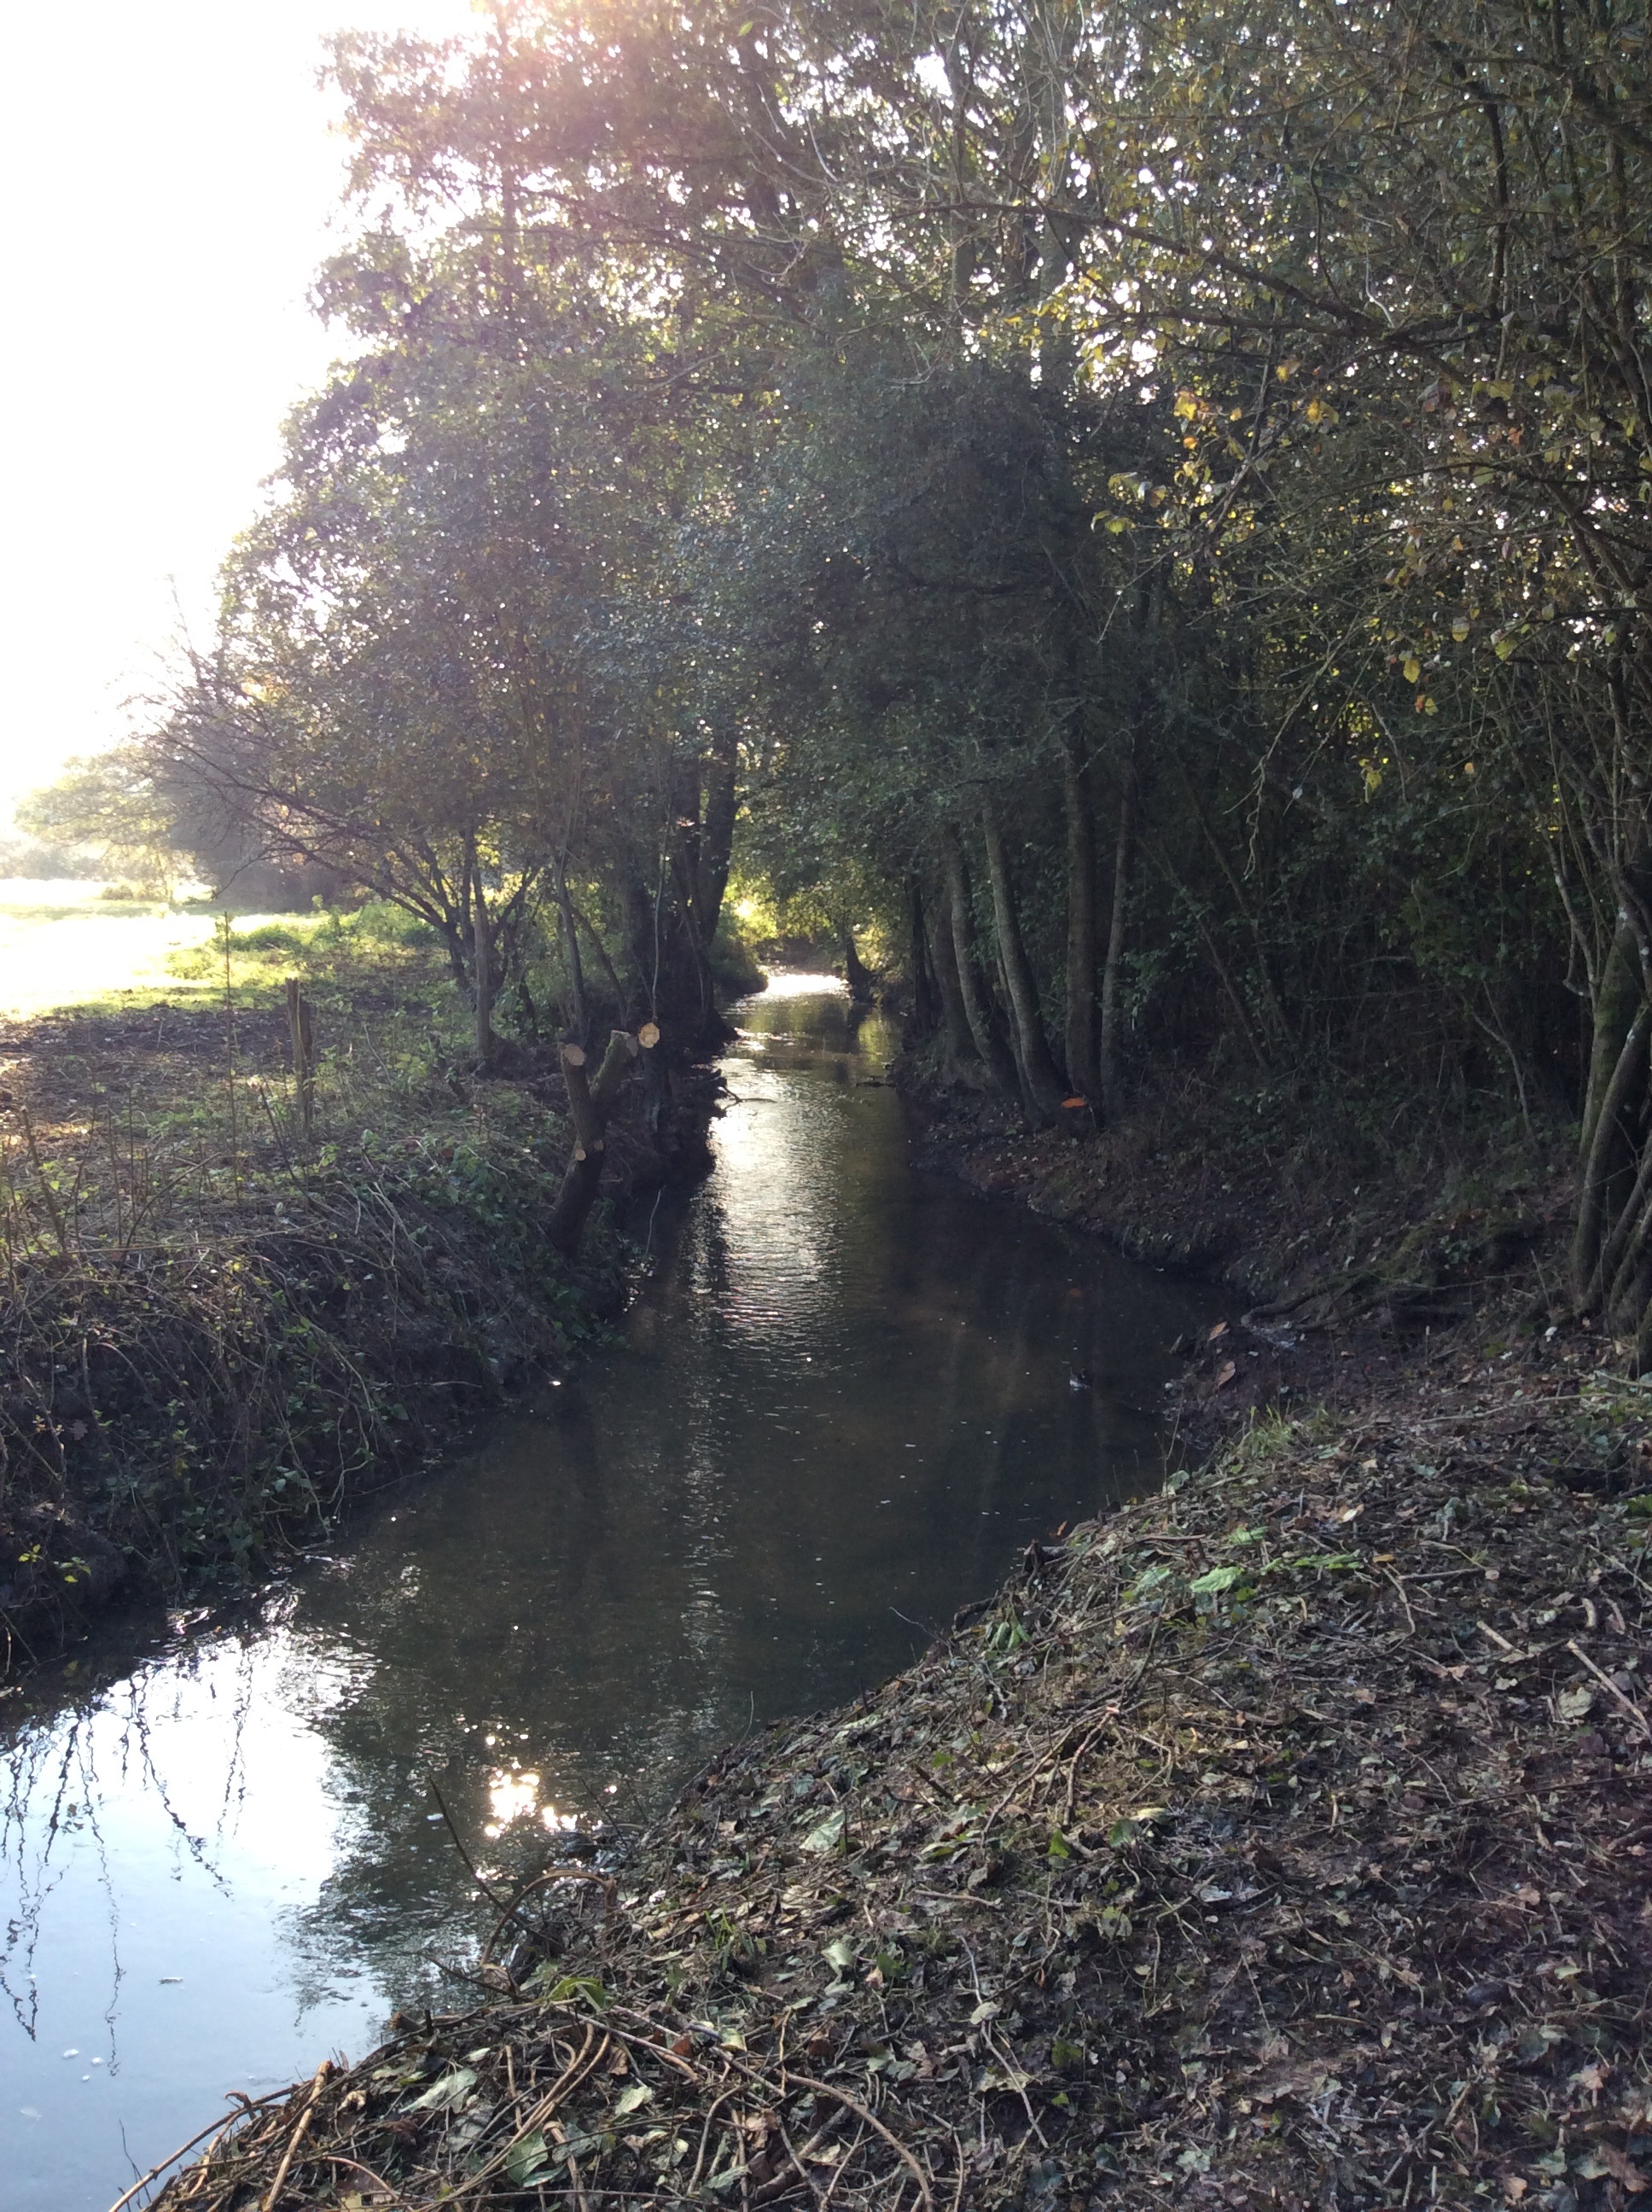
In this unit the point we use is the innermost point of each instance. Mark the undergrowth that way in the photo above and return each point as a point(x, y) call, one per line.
point(1277, 1842)
point(215, 1328)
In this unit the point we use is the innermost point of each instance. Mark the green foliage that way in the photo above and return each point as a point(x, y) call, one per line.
point(1142, 516)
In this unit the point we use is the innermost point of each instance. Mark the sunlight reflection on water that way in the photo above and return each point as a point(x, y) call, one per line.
point(839, 1408)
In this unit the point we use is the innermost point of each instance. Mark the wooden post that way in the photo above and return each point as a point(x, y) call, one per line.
point(300, 1020)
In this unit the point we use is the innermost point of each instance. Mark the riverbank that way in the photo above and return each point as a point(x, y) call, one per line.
point(1357, 1241)
point(222, 1330)
point(1280, 1840)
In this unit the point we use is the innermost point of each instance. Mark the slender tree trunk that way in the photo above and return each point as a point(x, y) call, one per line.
point(717, 836)
point(1039, 1074)
point(994, 1053)
point(1614, 1278)
point(926, 1008)
point(646, 947)
point(1082, 1067)
point(580, 1017)
point(1124, 853)
point(1611, 1151)
point(1617, 999)
point(960, 1044)
point(605, 960)
point(483, 961)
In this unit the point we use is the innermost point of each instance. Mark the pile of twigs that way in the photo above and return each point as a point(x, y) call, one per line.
point(1281, 1841)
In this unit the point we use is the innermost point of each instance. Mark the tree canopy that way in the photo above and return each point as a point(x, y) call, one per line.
point(1148, 506)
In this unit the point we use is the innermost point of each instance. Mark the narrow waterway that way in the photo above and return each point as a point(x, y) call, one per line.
point(841, 1408)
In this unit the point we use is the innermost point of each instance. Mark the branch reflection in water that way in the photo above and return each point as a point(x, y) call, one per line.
point(840, 1408)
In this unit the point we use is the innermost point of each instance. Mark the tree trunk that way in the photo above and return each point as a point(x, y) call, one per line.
point(579, 1019)
point(983, 1027)
point(1081, 1052)
point(717, 836)
point(1612, 1152)
point(925, 1006)
point(960, 1044)
point(1039, 1077)
point(1123, 853)
point(859, 978)
point(482, 955)
point(589, 1106)
point(643, 935)
point(1617, 999)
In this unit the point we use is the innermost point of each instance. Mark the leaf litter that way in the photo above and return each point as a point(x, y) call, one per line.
point(1280, 1840)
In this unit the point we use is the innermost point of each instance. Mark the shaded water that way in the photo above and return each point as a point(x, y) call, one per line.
point(838, 1411)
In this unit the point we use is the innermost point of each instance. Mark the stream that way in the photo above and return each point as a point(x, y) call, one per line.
point(838, 1410)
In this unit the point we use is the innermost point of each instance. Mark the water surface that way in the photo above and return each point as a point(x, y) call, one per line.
point(839, 1408)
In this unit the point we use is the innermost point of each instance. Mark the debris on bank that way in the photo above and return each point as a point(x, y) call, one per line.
point(1281, 1840)
point(219, 1332)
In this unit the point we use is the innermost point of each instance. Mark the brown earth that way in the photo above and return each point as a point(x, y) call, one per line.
point(1281, 1840)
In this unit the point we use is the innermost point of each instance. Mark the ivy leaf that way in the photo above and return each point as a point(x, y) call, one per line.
point(528, 2161)
point(1218, 1578)
point(448, 2092)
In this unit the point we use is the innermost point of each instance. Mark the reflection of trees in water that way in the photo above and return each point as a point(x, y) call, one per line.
point(609, 1592)
point(60, 1773)
point(399, 1903)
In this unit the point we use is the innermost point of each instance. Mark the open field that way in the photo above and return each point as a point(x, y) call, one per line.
point(63, 943)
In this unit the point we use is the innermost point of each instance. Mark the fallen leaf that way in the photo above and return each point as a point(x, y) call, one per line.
point(828, 1835)
point(1612, 2162)
point(445, 2093)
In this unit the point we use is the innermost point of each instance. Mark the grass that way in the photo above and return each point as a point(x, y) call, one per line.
point(217, 1330)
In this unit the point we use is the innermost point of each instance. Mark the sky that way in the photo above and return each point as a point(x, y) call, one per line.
point(172, 181)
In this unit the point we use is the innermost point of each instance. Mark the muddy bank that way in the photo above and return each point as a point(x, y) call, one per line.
point(1280, 1840)
point(1348, 1264)
point(219, 1331)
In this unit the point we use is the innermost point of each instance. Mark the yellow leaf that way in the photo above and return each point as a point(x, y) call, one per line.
point(1413, 669)
point(1460, 628)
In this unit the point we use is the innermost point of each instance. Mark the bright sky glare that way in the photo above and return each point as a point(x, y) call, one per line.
point(172, 181)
